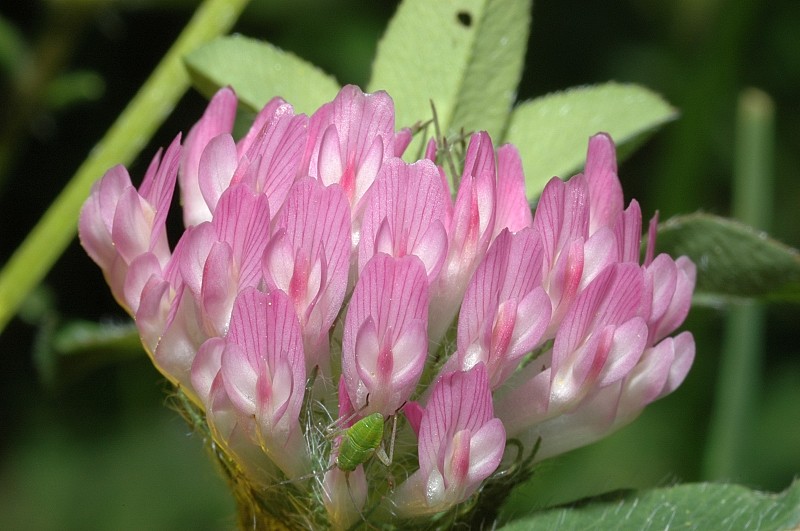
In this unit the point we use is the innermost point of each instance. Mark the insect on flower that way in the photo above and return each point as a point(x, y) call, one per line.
point(362, 440)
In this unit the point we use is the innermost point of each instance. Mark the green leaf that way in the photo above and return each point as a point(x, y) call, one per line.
point(259, 71)
point(464, 55)
point(74, 87)
point(733, 260)
point(12, 47)
point(695, 506)
point(66, 354)
point(552, 131)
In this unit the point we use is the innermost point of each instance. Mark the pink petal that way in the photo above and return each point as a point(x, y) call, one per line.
point(308, 258)
point(331, 166)
point(206, 366)
point(358, 136)
point(217, 119)
point(151, 315)
point(652, 230)
point(592, 420)
point(528, 402)
point(274, 397)
point(599, 252)
point(367, 350)
point(404, 213)
point(563, 282)
point(562, 216)
point(346, 409)
point(107, 192)
point(488, 318)
point(367, 171)
point(456, 463)
point(630, 339)
point(242, 220)
point(195, 244)
point(679, 298)
point(513, 210)
point(533, 316)
point(159, 182)
point(470, 232)
point(217, 165)
point(663, 275)
point(97, 216)
point(402, 139)
point(239, 377)
point(344, 496)
point(279, 149)
point(487, 446)
point(266, 334)
point(684, 349)
point(605, 190)
point(409, 352)
point(180, 340)
point(432, 249)
point(248, 326)
point(413, 413)
point(647, 380)
point(132, 225)
point(267, 113)
point(219, 289)
point(628, 231)
point(141, 270)
point(612, 298)
point(317, 220)
point(460, 400)
point(278, 262)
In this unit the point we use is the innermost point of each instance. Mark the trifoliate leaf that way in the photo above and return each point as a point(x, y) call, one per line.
point(465, 56)
point(686, 507)
point(733, 260)
point(259, 71)
point(552, 131)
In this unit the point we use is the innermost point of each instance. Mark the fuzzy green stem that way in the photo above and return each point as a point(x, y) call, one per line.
point(737, 390)
point(123, 141)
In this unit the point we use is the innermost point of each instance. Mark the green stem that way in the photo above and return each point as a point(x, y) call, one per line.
point(123, 141)
point(739, 379)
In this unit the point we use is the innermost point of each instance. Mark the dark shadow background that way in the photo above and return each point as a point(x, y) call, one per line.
point(100, 451)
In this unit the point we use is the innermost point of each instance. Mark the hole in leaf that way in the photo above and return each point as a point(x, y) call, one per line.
point(464, 18)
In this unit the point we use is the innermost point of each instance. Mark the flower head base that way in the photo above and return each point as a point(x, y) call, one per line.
point(468, 320)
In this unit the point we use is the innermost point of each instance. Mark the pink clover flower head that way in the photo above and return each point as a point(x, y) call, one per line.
point(314, 254)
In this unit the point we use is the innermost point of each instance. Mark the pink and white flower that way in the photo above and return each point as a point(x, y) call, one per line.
point(308, 258)
point(385, 342)
point(313, 254)
point(460, 443)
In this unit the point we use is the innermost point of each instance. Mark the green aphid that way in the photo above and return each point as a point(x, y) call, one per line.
point(360, 441)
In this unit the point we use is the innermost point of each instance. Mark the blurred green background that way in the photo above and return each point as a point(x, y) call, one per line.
point(94, 447)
